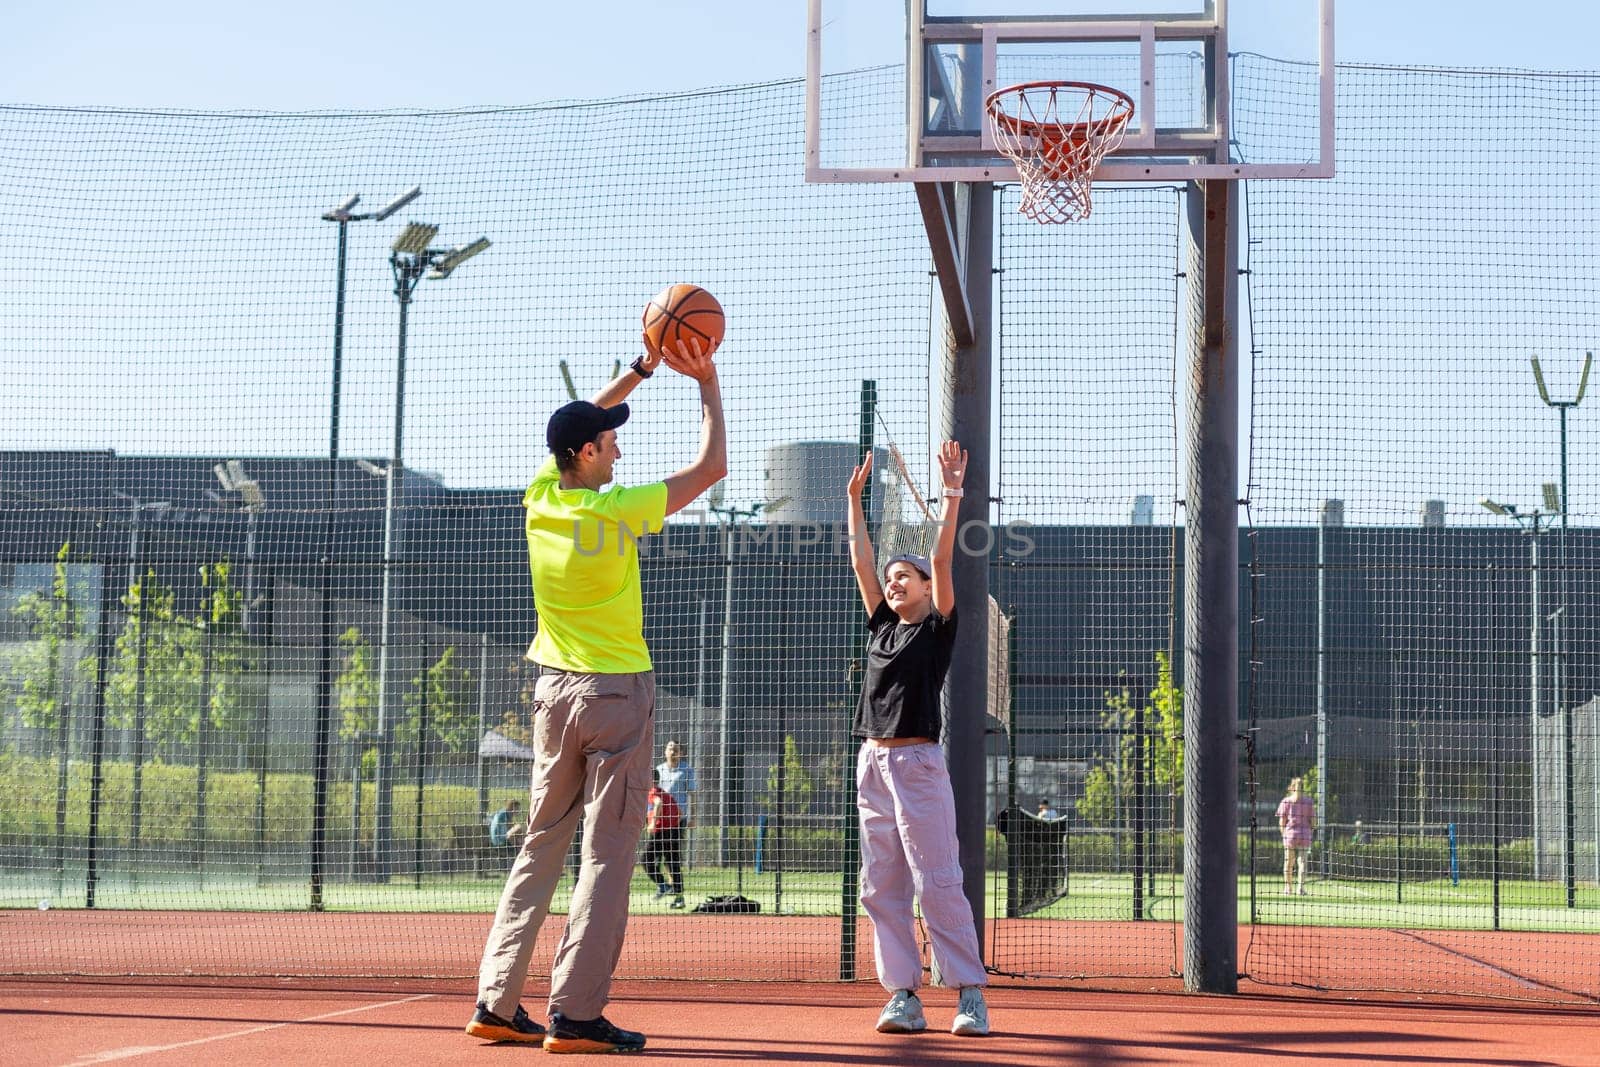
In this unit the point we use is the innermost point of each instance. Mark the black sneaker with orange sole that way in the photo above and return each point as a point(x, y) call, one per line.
point(519, 1029)
point(593, 1035)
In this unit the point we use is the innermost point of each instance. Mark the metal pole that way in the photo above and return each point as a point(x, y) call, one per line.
point(850, 858)
point(1533, 696)
point(406, 277)
point(263, 729)
point(61, 685)
point(204, 734)
point(483, 728)
point(724, 746)
point(1322, 691)
point(968, 403)
point(697, 730)
point(422, 766)
point(97, 743)
point(324, 722)
point(1211, 593)
point(140, 696)
point(1563, 700)
point(1563, 694)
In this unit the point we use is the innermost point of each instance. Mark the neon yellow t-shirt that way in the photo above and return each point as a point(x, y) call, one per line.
point(583, 552)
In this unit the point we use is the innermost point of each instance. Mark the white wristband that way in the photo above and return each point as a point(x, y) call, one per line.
point(956, 493)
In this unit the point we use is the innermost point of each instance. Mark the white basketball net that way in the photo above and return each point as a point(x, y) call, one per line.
point(1057, 133)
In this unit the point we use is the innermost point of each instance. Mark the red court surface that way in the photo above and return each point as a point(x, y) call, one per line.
point(86, 1022)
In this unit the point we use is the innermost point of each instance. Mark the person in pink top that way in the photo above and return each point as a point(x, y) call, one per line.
point(1297, 821)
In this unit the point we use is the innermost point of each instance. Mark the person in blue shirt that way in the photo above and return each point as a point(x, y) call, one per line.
point(505, 827)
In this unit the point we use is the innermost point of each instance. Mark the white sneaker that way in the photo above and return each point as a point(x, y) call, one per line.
point(902, 1015)
point(972, 1017)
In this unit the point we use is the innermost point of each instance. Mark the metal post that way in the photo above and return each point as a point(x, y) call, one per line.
point(406, 277)
point(483, 728)
point(1563, 697)
point(849, 887)
point(697, 730)
point(204, 732)
point(1562, 688)
point(1322, 690)
point(263, 731)
point(61, 684)
point(97, 743)
point(324, 723)
point(967, 417)
point(140, 696)
point(1533, 696)
point(724, 746)
point(422, 766)
point(1211, 593)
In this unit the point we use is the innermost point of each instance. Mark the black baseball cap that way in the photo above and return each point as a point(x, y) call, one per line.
point(580, 422)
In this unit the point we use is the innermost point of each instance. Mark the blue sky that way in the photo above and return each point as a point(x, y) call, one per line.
point(299, 55)
point(293, 56)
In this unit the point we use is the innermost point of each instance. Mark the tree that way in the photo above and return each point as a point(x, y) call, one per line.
point(53, 619)
point(1112, 776)
point(157, 652)
point(357, 690)
point(452, 714)
point(220, 618)
point(516, 722)
point(797, 784)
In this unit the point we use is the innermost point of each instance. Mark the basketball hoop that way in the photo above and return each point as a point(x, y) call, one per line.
point(1057, 133)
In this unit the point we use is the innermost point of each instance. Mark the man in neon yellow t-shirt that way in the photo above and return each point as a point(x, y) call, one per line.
point(594, 708)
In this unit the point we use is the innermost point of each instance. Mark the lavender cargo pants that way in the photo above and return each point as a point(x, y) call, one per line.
point(909, 853)
point(592, 738)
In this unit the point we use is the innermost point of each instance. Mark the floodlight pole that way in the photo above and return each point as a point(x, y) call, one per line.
point(136, 508)
point(1529, 522)
point(728, 516)
point(410, 259)
point(1563, 701)
point(343, 216)
point(233, 478)
point(407, 273)
point(1332, 514)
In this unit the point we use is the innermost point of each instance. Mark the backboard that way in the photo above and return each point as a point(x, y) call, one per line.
point(895, 89)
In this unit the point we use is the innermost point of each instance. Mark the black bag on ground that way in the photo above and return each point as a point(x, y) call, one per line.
point(727, 904)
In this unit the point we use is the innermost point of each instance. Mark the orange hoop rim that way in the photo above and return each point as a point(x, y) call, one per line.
point(1113, 120)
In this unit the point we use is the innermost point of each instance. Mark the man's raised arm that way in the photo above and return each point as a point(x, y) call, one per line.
point(711, 465)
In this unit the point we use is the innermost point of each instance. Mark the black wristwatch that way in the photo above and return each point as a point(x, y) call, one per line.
point(639, 368)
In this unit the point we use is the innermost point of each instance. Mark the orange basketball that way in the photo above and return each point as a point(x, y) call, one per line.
point(681, 312)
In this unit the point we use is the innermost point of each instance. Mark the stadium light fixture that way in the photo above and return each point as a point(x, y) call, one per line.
point(1552, 498)
point(1497, 508)
point(342, 213)
point(456, 257)
point(413, 240)
point(397, 203)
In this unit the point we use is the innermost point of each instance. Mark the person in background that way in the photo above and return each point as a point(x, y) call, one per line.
point(664, 846)
point(505, 826)
point(1297, 821)
point(677, 778)
point(1047, 810)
